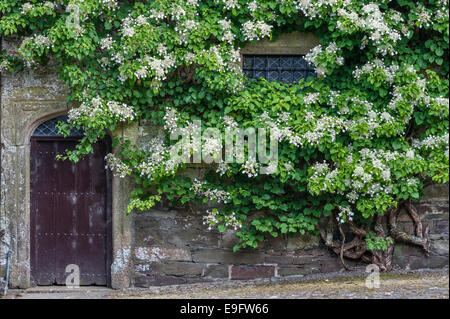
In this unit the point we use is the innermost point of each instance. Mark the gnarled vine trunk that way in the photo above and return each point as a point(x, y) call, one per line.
point(384, 226)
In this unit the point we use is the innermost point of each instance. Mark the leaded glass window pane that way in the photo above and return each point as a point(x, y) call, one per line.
point(48, 128)
point(282, 68)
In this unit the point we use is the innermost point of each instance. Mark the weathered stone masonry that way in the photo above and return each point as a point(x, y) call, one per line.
point(169, 245)
point(174, 247)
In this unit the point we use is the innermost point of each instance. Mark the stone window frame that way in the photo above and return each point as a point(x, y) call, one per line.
point(294, 43)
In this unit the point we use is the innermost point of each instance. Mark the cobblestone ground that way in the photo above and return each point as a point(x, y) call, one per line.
point(419, 285)
point(425, 285)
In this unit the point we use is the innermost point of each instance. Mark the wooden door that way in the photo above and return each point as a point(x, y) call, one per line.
point(70, 213)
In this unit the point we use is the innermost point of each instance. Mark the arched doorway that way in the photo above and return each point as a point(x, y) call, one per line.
point(70, 210)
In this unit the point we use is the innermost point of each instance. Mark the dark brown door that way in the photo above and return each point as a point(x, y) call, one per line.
point(70, 213)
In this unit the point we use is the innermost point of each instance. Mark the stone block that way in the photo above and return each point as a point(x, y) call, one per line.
point(227, 257)
point(160, 253)
point(148, 281)
point(288, 43)
point(302, 242)
point(155, 220)
point(216, 271)
point(148, 237)
point(440, 227)
point(431, 261)
point(280, 260)
point(300, 260)
point(195, 280)
point(440, 247)
point(331, 265)
point(274, 243)
point(251, 272)
point(181, 269)
point(315, 252)
point(293, 271)
point(193, 238)
point(402, 250)
point(437, 192)
point(229, 239)
point(401, 261)
point(151, 268)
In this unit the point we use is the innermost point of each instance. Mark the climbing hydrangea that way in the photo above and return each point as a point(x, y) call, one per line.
point(365, 132)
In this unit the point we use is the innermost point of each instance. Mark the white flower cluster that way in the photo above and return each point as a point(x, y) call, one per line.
point(443, 10)
point(213, 218)
point(110, 4)
point(127, 28)
point(49, 5)
point(129, 24)
point(412, 181)
point(170, 119)
point(39, 40)
point(217, 56)
point(311, 98)
point(423, 16)
point(159, 68)
point(43, 41)
point(158, 158)
point(372, 20)
point(4, 65)
point(280, 129)
point(212, 146)
point(250, 167)
point(177, 12)
point(230, 4)
point(184, 29)
point(312, 8)
point(318, 53)
point(119, 168)
point(106, 43)
point(193, 3)
point(325, 126)
point(345, 214)
point(369, 122)
point(379, 30)
point(256, 30)
point(200, 189)
point(121, 111)
point(320, 169)
point(229, 122)
point(98, 108)
point(222, 168)
point(432, 142)
point(157, 14)
point(371, 166)
point(370, 173)
point(253, 6)
point(443, 101)
point(369, 67)
point(348, 17)
point(26, 7)
point(228, 36)
point(188, 145)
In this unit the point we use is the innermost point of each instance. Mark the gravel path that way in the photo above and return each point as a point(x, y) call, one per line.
point(418, 285)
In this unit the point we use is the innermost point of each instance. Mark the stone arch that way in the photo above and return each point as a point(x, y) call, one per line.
point(42, 119)
point(23, 119)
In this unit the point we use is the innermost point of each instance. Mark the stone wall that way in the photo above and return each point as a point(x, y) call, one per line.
point(433, 211)
point(166, 246)
point(174, 247)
